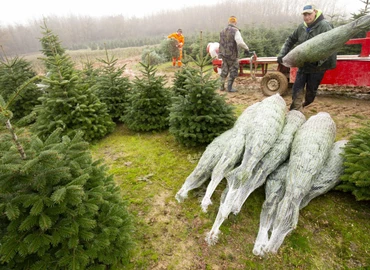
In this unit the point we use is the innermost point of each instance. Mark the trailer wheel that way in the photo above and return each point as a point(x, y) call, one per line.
point(274, 82)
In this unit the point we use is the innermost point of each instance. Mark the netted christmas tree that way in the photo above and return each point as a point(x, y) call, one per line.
point(356, 176)
point(172, 47)
point(59, 208)
point(68, 102)
point(149, 102)
point(13, 73)
point(200, 115)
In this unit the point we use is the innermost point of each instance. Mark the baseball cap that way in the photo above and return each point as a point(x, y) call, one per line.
point(308, 8)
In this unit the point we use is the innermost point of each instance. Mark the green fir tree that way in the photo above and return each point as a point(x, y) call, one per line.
point(68, 102)
point(356, 176)
point(89, 73)
point(202, 114)
point(13, 73)
point(111, 88)
point(59, 208)
point(149, 102)
point(179, 82)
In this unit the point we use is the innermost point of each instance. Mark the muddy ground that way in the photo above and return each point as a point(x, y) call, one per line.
point(349, 107)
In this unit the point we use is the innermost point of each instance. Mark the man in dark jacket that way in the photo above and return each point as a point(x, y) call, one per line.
point(230, 39)
point(310, 75)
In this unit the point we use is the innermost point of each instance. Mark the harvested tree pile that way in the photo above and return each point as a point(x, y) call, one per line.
point(298, 160)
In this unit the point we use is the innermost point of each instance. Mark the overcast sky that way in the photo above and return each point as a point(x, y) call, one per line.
point(20, 12)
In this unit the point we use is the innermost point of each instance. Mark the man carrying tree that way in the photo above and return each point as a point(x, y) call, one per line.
point(230, 40)
point(310, 75)
point(179, 44)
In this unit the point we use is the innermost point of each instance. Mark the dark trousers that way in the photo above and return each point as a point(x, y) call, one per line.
point(229, 67)
point(308, 81)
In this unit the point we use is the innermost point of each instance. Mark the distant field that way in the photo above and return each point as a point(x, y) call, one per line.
point(82, 56)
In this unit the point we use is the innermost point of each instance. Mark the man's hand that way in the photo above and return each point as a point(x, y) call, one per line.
point(246, 53)
point(280, 60)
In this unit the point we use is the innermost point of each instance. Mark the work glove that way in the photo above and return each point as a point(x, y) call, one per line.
point(246, 53)
point(280, 60)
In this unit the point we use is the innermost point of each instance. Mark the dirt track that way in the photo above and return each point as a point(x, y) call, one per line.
point(349, 113)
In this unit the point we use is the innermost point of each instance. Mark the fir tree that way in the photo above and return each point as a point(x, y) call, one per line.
point(356, 176)
point(149, 102)
point(179, 82)
point(13, 73)
point(201, 115)
point(60, 209)
point(68, 103)
point(111, 88)
point(88, 73)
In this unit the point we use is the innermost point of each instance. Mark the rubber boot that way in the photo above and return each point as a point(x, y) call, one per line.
point(222, 84)
point(230, 85)
point(297, 101)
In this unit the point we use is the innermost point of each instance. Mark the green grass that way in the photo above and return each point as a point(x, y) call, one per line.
point(332, 232)
point(150, 168)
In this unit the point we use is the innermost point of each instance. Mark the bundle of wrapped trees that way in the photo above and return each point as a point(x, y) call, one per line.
point(298, 160)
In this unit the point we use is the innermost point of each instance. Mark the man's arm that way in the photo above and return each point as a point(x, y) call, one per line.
point(239, 41)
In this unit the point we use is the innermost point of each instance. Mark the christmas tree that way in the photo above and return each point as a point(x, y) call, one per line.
point(13, 73)
point(179, 82)
point(68, 103)
point(200, 115)
point(149, 102)
point(356, 176)
point(111, 88)
point(59, 208)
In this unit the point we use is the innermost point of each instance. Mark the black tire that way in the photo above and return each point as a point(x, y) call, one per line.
point(273, 83)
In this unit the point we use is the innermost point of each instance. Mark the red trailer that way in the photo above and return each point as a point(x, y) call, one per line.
point(351, 70)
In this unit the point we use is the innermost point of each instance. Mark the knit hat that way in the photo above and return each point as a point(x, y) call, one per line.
point(232, 19)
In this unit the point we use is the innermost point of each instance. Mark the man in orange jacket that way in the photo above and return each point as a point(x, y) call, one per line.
point(180, 43)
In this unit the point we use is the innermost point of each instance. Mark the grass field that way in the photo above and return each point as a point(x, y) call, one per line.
point(332, 232)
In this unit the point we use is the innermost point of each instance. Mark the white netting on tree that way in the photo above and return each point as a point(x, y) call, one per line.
point(310, 149)
point(329, 175)
point(277, 154)
point(297, 159)
point(274, 192)
point(327, 179)
point(232, 153)
point(206, 163)
point(264, 129)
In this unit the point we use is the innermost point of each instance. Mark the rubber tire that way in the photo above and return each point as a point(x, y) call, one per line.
point(274, 82)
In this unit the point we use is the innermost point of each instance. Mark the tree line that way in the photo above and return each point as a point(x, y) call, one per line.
point(81, 32)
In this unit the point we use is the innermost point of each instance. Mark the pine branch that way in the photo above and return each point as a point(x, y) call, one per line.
point(20, 89)
point(15, 139)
